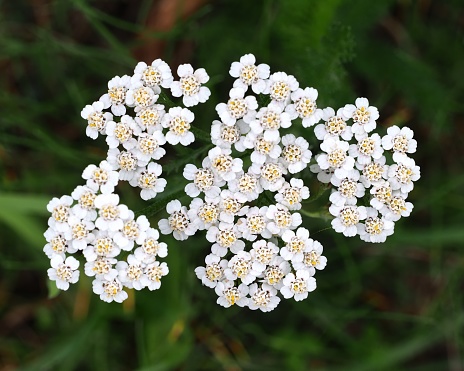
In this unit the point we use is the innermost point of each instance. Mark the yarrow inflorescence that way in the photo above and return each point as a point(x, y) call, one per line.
point(246, 194)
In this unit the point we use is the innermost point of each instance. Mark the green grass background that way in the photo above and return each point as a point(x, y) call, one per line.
point(394, 306)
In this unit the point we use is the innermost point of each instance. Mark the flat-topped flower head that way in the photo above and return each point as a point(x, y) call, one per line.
point(116, 96)
point(367, 149)
point(364, 116)
point(280, 86)
point(231, 295)
point(334, 125)
point(109, 287)
point(291, 194)
point(149, 181)
point(347, 218)
point(63, 272)
point(111, 214)
point(304, 106)
point(269, 120)
point(96, 119)
point(248, 74)
point(237, 107)
point(149, 118)
point(178, 120)
point(204, 180)
point(263, 297)
point(213, 272)
point(121, 132)
point(399, 141)
point(397, 207)
point(60, 208)
point(295, 153)
point(156, 74)
point(298, 286)
point(349, 190)
point(375, 229)
point(130, 272)
point(178, 222)
point(203, 214)
point(225, 237)
point(335, 155)
point(85, 207)
point(281, 219)
point(403, 174)
point(190, 85)
point(262, 253)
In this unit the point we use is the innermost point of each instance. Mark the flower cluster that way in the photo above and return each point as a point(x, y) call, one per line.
point(248, 193)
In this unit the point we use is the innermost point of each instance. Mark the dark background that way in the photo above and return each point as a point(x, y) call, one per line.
point(397, 305)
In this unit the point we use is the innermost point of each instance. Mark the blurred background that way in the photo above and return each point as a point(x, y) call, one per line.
point(394, 306)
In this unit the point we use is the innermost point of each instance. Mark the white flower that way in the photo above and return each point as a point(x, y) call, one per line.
point(397, 207)
point(291, 194)
point(312, 258)
point(204, 180)
point(131, 273)
point(150, 118)
point(149, 181)
point(153, 273)
point(189, 85)
point(178, 121)
point(323, 175)
point(96, 119)
point(109, 287)
point(364, 116)
point(399, 141)
point(281, 219)
point(280, 86)
point(151, 248)
point(298, 286)
point(335, 125)
point(203, 214)
point(99, 267)
point(60, 208)
point(148, 146)
point(132, 231)
point(225, 237)
point(277, 269)
point(374, 172)
point(79, 235)
point(262, 254)
point(246, 187)
point(264, 297)
point(225, 136)
point(295, 154)
point(403, 174)
point(110, 214)
point(382, 194)
point(158, 73)
point(230, 295)
point(254, 224)
point(271, 175)
point(223, 164)
point(296, 243)
point(237, 107)
point(230, 207)
point(269, 120)
point(124, 161)
point(240, 266)
point(335, 155)
point(247, 73)
point(56, 243)
point(305, 107)
point(213, 272)
point(178, 222)
point(347, 218)
point(367, 148)
point(262, 148)
point(102, 246)
point(116, 96)
point(375, 229)
point(140, 95)
point(85, 207)
point(121, 132)
point(63, 271)
point(102, 178)
point(348, 188)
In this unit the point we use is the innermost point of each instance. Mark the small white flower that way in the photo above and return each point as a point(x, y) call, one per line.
point(399, 141)
point(178, 120)
point(230, 295)
point(79, 235)
point(269, 120)
point(148, 146)
point(403, 174)
point(125, 162)
point(254, 224)
point(296, 243)
point(178, 222)
point(109, 287)
point(229, 207)
point(63, 271)
point(375, 229)
point(237, 107)
point(225, 136)
point(204, 180)
point(374, 172)
point(60, 208)
point(280, 86)
point(262, 149)
point(367, 148)
point(150, 118)
point(225, 237)
point(85, 207)
point(189, 86)
point(264, 297)
point(335, 125)
point(96, 119)
point(240, 266)
point(56, 243)
point(277, 269)
point(348, 188)
point(99, 267)
point(335, 155)
point(158, 73)
point(304, 106)
point(110, 214)
point(246, 187)
point(364, 116)
point(248, 74)
point(102, 246)
point(271, 175)
point(132, 231)
point(382, 194)
point(312, 258)
point(291, 194)
point(262, 254)
point(149, 181)
point(281, 219)
point(203, 214)
point(223, 164)
point(121, 132)
point(347, 218)
point(213, 272)
point(153, 273)
point(397, 207)
point(140, 95)
point(102, 178)
point(130, 273)
point(298, 286)
point(151, 248)
point(295, 154)
point(116, 96)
